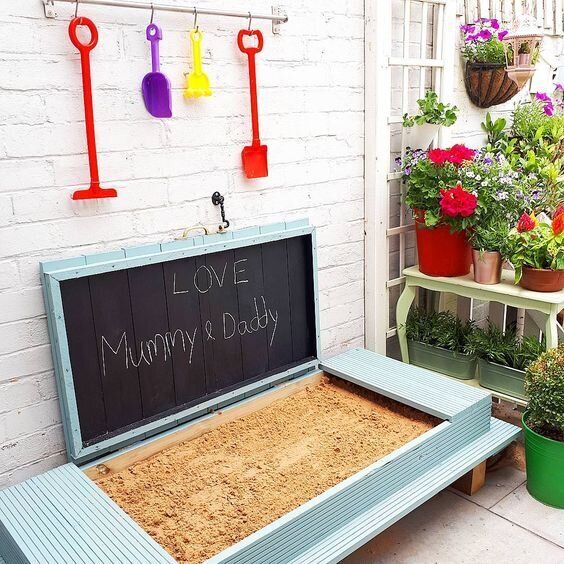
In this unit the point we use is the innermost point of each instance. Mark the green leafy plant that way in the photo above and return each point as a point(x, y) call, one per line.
point(544, 383)
point(536, 244)
point(495, 130)
point(494, 345)
point(499, 190)
point(439, 329)
point(431, 111)
point(432, 179)
point(482, 42)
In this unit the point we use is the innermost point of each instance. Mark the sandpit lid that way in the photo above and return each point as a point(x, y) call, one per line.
point(147, 338)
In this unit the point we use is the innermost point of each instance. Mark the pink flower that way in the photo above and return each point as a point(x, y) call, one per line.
point(457, 202)
point(502, 34)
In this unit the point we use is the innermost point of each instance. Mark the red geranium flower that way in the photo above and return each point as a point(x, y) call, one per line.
point(559, 211)
point(438, 156)
point(457, 202)
point(459, 153)
point(558, 223)
point(526, 223)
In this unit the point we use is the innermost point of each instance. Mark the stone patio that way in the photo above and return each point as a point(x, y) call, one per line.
point(501, 524)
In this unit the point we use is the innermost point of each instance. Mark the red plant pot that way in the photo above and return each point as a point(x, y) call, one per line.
point(442, 253)
point(542, 280)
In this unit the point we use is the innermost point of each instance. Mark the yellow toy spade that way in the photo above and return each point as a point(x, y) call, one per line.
point(197, 82)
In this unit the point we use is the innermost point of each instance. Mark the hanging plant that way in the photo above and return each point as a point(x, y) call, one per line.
point(485, 76)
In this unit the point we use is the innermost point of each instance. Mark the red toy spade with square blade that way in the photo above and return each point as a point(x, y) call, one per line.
point(255, 161)
point(95, 190)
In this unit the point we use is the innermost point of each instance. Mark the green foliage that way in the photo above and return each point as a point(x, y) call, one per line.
point(504, 348)
point(440, 329)
point(495, 130)
point(500, 190)
point(537, 248)
point(535, 148)
point(544, 383)
point(432, 111)
point(484, 51)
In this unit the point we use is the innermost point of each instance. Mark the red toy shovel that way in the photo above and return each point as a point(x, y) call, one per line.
point(254, 157)
point(95, 191)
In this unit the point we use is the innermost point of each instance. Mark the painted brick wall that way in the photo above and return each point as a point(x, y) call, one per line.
point(311, 101)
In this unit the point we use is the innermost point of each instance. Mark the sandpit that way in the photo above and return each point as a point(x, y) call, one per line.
point(201, 496)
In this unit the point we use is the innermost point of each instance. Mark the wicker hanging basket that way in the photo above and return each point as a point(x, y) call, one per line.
point(488, 85)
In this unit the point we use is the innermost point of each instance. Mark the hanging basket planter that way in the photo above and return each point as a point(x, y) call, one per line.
point(488, 84)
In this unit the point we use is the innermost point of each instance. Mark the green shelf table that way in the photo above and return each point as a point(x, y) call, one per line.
point(506, 292)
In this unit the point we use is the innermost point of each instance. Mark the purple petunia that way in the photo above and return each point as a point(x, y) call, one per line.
point(546, 100)
point(502, 34)
point(494, 23)
point(485, 34)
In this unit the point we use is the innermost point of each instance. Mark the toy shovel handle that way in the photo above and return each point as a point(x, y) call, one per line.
point(250, 33)
point(154, 35)
point(84, 48)
point(196, 39)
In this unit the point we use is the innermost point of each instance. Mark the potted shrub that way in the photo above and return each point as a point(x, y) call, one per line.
point(485, 76)
point(437, 341)
point(422, 127)
point(503, 358)
point(441, 207)
point(496, 186)
point(536, 250)
point(543, 425)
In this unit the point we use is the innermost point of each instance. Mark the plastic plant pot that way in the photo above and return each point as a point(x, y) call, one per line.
point(545, 467)
point(442, 253)
point(501, 378)
point(457, 365)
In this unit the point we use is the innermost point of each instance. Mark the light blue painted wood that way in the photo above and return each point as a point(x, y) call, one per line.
point(417, 387)
point(61, 517)
point(177, 244)
point(104, 257)
point(223, 242)
point(316, 295)
point(142, 250)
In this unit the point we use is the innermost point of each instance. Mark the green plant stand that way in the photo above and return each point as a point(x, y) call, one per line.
point(506, 292)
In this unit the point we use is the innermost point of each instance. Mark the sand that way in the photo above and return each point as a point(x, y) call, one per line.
point(199, 497)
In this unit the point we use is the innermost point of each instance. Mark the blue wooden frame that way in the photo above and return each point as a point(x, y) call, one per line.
point(53, 272)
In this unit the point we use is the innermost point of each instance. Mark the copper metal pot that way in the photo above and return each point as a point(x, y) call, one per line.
point(487, 266)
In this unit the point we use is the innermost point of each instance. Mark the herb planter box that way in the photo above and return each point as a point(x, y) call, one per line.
point(458, 365)
point(502, 378)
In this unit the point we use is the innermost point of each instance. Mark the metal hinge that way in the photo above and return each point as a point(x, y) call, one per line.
point(278, 11)
point(49, 7)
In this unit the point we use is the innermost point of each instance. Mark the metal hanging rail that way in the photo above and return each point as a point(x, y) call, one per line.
point(277, 17)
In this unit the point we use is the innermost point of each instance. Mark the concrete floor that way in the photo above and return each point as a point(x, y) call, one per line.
point(500, 524)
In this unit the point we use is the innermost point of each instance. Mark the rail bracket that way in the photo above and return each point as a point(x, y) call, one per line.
point(276, 24)
point(49, 7)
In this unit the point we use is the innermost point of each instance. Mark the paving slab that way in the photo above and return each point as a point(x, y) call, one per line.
point(452, 530)
point(499, 483)
point(519, 507)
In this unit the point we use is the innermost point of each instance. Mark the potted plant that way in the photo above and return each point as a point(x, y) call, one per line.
point(441, 207)
point(437, 341)
point(496, 185)
point(543, 425)
point(422, 127)
point(485, 76)
point(536, 250)
point(503, 358)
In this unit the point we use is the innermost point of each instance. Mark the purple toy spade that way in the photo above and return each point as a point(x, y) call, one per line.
point(156, 86)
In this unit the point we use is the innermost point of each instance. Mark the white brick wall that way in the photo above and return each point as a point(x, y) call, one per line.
point(311, 102)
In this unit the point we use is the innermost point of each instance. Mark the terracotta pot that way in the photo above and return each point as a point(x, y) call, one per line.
point(442, 253)
point(488, 84)
point(542, 279)
point(487, 266)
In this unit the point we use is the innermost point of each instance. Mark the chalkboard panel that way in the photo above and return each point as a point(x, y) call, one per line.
point(148, 341)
